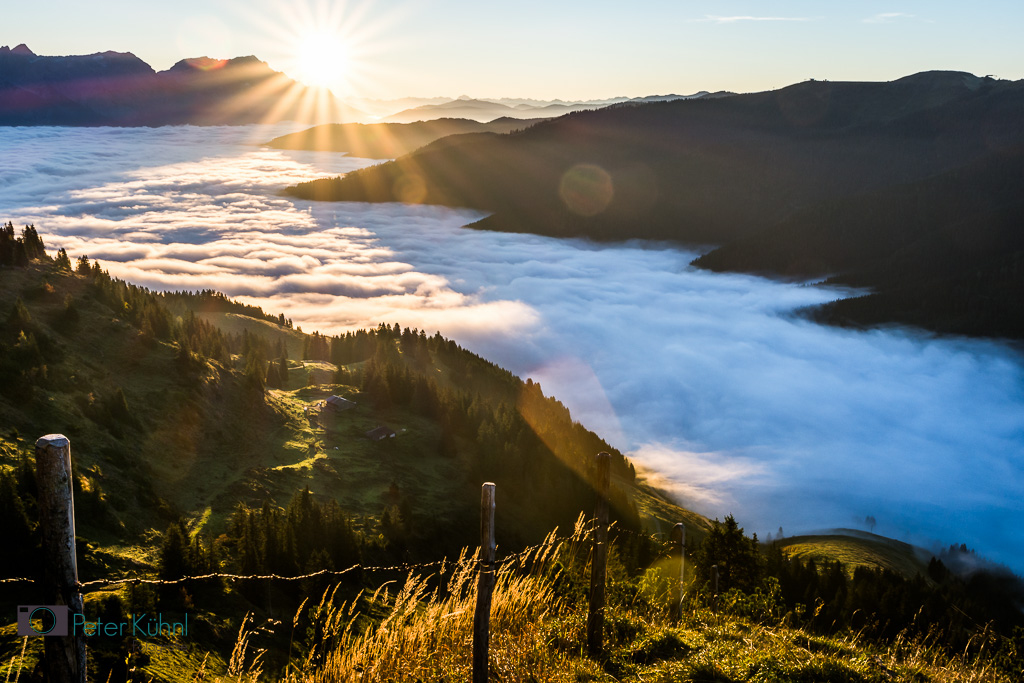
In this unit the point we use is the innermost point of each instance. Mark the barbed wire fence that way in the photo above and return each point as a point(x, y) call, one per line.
point(64, 656)
point(521, 557)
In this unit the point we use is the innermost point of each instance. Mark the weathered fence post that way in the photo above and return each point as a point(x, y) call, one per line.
point(680, 530)
point(64, 655)
point(599, 565)
point(484, 585)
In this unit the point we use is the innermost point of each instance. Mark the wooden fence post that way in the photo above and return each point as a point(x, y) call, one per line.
point(64, 655)
point(484, 585)
point(677, 611)
point(599, 564)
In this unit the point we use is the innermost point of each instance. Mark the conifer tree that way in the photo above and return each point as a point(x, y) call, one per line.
point(62, 262)
point(738, 558)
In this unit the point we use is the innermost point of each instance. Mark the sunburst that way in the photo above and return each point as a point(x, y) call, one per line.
point(322, 59)
point(326, 43)
point(332, 45)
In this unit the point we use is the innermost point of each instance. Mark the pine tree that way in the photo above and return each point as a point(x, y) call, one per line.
point(32, 243)
point(19, 318)
point(8, 244)
point(173, 563)
point(253, 383)
point(62, 262)
point(738, 558)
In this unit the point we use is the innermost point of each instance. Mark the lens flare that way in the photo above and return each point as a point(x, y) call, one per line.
point(410, 189)
point(206, 63)
point(586, 189)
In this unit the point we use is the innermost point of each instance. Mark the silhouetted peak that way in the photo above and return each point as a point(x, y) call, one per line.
point(248, 61)
point(209, 64)
point(942, 79)
point(20, 50)
point(113, 53)
point(112, 57)
point(197, 64)
point(118, 88)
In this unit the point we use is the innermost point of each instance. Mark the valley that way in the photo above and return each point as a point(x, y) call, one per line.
point(361, 342)
point(193, 415)
point(187, 410)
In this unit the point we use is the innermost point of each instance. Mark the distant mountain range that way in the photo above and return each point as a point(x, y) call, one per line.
point(488, 110)
point(385, 108)
point(911, 188)
point(119, 89)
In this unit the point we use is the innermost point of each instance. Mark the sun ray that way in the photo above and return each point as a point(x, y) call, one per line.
point(286, 101)
point(327, 43)
point(274, 89)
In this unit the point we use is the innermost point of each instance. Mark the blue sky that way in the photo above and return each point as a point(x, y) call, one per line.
point(570, 49)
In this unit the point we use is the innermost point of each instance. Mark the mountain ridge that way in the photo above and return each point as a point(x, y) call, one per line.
point(389, 140)
point(119, 89)
point(485, 109)
point(733, 170)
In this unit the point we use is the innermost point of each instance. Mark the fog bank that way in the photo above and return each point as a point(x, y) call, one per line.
point(705, 378)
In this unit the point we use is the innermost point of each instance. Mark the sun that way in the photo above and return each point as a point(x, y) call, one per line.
point(322, 59)
point(325, 44)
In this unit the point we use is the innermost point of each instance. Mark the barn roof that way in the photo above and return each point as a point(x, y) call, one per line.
point(339, 402)
point(380, 432)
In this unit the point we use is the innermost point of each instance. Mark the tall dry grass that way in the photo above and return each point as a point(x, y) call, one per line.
point(924, 658)
point(427, 631)
point(421, 629)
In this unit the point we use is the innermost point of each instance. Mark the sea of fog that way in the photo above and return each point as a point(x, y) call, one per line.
point(705, 379)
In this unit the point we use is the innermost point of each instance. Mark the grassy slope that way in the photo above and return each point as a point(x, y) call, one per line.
point(538, 633)
point(859, 549)
point(234, 323)
point(190, 458)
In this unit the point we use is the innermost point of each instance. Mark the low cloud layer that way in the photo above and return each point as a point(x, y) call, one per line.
point(708, 380)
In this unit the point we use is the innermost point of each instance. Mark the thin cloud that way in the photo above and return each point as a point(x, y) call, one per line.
point(710, 476)
point(745, 18)
point(887, 17)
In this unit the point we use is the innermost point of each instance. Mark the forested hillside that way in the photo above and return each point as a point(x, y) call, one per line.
point(131, 373)
point(198, 422)
point(203, 442)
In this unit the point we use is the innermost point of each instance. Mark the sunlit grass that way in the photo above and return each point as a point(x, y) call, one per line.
point(421, 630)
point(875, 552)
